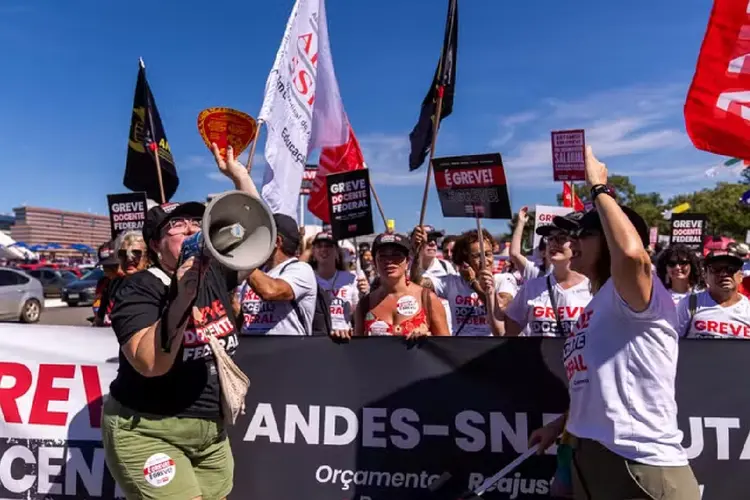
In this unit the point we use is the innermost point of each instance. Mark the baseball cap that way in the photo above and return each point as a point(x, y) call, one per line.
point(107, 255)
point(287, 227)
point(432, 233)
point(323, 236)
point(740, 249)
point(729, 256)
point(572, 217)
point(159, 215)
point(394, 239)
point(590, 221)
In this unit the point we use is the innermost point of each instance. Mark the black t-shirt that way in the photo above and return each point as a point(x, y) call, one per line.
point(191, 387)
point(107, 300)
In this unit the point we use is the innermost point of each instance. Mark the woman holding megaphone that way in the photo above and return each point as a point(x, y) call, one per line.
point(163, 424)
point(621, 362)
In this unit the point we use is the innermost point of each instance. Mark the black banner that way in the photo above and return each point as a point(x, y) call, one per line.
point(472, 186)
point(308, 178)
point(127, 211)
point(378, 418)
point(688, 229)
point(349, 204)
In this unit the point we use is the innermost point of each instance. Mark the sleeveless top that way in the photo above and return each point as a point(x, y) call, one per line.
point(374, 326)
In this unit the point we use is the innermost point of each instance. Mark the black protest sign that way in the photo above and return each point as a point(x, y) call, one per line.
point(349, 204)
point(127, 211)
point(308, 178)
point(688, 229)
point(472, 186)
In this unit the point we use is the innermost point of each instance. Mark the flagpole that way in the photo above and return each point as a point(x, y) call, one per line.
point(251, 154)
point(154, 145)
point(380, 205)
point(435, 128)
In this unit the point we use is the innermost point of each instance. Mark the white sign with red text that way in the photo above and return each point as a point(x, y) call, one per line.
point(544, 216)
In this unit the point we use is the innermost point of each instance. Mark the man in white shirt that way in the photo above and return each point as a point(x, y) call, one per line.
point(428, 260)
point(280, 298)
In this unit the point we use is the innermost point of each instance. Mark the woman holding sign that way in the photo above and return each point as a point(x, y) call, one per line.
point(398, 306)
point(621, 363)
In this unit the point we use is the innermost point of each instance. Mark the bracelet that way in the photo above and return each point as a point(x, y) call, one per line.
point(598, 189)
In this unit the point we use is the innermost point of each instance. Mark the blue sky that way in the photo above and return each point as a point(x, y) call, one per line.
point(620, 71)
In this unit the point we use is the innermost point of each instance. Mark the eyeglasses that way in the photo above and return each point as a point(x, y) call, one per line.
point(718, 269)
point(431, 242)
point(585, 233)
point(559, 237)
point(390, 256)
point(123, 254)
point(675, 263)
point(181, 226)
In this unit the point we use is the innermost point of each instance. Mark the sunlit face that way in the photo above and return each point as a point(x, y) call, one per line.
point(172, 236)
point(558, 247)
point(585, 252)
point(678, 268)
point(132, 257)
point(391, 262)
point(324, 251)
point(724, 276)
point(430, 248)
point(475, 256)
point(448, 250)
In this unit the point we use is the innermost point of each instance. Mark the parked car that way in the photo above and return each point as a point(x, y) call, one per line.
point(21, 296)
point(82, 292)
point(53, 280)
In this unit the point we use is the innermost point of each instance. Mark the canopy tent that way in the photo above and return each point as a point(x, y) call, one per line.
point(9, 249)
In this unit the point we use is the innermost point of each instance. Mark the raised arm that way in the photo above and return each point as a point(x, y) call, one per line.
point(515, 252)
point(630, 263)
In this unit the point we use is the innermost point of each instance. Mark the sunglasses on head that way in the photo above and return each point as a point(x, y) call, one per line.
point(123, 254)
point(675, 263)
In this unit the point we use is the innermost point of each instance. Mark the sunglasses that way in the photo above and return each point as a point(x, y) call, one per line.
point(728, 270)
point(123, 254)
point(559, 237)
point(675, 263)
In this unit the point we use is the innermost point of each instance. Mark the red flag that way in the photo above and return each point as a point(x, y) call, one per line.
point(717, 109)
point(570, 198)
point(333, 160)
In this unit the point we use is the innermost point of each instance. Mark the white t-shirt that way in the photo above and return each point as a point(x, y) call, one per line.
point(342, 289)
point(677, 296)
point(280, 317)
point(532, 270)
point(713, 321)
point(532, 307)
point(465, 306)
point(439, 269)
point(621, 367)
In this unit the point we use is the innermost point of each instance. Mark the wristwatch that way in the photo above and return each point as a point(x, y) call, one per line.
point(598, 189)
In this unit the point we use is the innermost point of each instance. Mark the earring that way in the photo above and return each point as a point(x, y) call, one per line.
point(158, 256)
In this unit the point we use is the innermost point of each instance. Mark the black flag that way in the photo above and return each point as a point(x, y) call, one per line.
point(445, 82)
point(146, 137)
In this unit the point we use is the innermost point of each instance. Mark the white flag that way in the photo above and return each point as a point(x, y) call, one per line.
point(288, 108)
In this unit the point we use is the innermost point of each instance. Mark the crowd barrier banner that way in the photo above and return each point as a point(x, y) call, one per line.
point(372, 419)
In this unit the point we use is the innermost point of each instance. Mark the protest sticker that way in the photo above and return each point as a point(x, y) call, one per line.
point(127, 212)
point(308, 178)
point(227, 127)
point(543, 217)
point(349, 204)
point(688, 229)
point(569, 155)
point(472, 186)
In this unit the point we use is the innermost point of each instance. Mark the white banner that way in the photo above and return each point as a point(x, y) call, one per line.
point(52, 383)
point(288, 108)
point(544, 216)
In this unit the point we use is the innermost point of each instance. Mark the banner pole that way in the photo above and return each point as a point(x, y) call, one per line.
point(251, 154)
point(377, 202)
point(480, 239)
point(301, 215)
point(158, 173)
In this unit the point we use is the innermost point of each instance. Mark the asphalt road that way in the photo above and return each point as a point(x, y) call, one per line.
point(64, 315)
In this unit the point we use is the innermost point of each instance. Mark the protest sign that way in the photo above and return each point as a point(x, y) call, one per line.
point(127, 212)
point(472, 186)
point(569, 155)
point(688, 229)
point(226, 127)
point(349, 204)
point(308, 178)
point(543, 217)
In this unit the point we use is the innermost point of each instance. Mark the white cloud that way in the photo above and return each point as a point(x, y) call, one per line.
point(620, 124)
point(387, 157)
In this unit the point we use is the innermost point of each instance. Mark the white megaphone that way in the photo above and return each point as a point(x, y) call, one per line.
point(239, 231)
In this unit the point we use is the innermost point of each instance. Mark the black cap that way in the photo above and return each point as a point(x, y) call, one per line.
point(287, 227)
point(729, 256)
point(159, 215)
point(323, 236)
point(572, 218)
point(395, 239)
point(432, 233)
point(107, 255)
point(591, 221)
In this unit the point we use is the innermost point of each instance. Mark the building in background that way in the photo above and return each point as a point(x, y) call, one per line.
point(38, 226)
point(6, 221)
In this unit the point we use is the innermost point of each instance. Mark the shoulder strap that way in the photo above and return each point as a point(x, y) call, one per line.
point(159, 273)
point(295, 305)
point(553, 301)
point(692, 307)
point(442, 263)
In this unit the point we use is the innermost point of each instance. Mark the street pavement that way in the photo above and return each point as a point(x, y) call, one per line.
point(58, 313)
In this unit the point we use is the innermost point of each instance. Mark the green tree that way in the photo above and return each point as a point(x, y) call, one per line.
point(528, 230)
point(721, 205)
